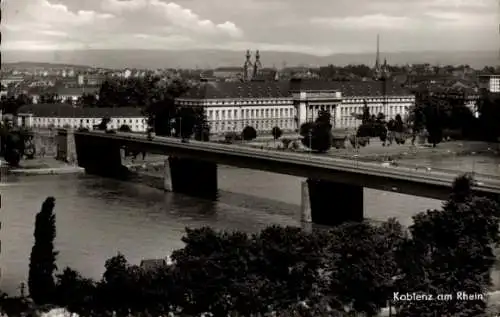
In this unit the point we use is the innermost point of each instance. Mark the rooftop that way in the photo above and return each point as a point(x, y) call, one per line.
point(63, 91)
point(283, 89)
point(252, 89)
point(153, 264)
point(228, 69)
point(63, 110)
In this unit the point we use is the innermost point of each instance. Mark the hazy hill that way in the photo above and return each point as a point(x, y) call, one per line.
point(215, 58)
point(28, 65)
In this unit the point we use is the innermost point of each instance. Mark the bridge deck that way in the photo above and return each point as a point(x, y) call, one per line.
point(427, 183)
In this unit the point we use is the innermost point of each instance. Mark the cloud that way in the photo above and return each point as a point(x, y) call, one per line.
point(461, 20)
point(108, 25)
point(457, 3)
point(345, 26)
point(378, 21)
point(158, 13)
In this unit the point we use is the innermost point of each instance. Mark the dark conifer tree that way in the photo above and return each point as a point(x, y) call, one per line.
point(41, 282)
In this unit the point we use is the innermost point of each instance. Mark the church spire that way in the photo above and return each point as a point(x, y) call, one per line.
point(257, 66)
point(247, 67)
point(377, 68)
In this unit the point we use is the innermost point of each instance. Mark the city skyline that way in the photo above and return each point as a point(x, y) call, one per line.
point(319, 28)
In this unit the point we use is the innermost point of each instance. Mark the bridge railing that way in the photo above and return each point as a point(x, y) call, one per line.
point(356, 166)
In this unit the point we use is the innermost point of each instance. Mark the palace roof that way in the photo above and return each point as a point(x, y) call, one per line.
point(62, 110)
point(252, 89)
point(283, 89)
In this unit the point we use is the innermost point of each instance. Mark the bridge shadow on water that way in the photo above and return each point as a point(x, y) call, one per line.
point(149, 195)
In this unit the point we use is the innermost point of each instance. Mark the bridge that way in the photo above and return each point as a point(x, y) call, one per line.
point(332, 194)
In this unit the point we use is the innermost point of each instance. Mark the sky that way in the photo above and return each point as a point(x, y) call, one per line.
point(319, 27)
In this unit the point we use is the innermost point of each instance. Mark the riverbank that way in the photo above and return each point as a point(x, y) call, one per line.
point(42, 166)
point(51, 166)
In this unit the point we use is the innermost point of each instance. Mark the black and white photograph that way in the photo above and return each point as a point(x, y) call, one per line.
point(250, 158)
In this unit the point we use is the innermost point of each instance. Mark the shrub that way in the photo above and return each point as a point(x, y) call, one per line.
point(231, 137)
point(125, 128)
point(276, 132)
point(249, 133)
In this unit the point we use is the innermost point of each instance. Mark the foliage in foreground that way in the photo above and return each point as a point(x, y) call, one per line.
point(353, 268)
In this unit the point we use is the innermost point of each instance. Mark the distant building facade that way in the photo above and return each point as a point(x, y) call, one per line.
point(63, 94)
point(490, 82)
point(66, 115)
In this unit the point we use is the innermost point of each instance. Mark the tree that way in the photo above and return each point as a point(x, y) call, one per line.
point(201, 126)
point(43, 257)
point(324, 117)
point(317, 135)
point(433, 125)
point(292, 261)
point(87, 100)
point(489, 116)
point(125, 128)
point(231, 136)
point(155, 95)
point(276, 132)
point(249, 133)
point(450, 250)
point(10, 104)
point(362, 265)
point(417, 118)
point(261, 273)
point(74, 292)
point(103, 125)
point(365, 116)
point(49, 97)
point(371, 125)
point(203, 284)
point(14, 147)
point(396, 126)
point(119, 287)
point(161, 107)
point(186, 121)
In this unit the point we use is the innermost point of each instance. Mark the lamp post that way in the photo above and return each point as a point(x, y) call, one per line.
point(180, 127)
point(310, 141)
point(473, 163)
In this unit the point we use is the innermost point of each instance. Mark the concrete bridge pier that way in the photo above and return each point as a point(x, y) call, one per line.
point(331, 204)
point(191, 177)
point(167, 176)
point(100, 157)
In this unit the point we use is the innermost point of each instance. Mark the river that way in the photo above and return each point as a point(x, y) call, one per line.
point(98, 217)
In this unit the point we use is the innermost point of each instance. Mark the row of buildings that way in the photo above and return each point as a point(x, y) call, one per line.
point(230, 106)
point(261, 99)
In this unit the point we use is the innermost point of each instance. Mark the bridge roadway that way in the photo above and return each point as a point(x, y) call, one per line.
point(404, 180)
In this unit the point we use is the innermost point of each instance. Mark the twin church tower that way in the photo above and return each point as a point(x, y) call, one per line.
point(252, 71)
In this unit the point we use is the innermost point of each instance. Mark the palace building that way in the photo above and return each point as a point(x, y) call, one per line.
point(264, 104)
point(230, 106)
